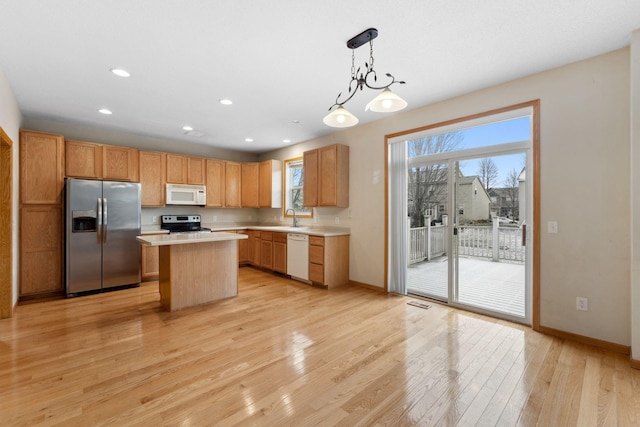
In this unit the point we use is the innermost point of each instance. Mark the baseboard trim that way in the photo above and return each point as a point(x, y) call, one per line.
point(366, 285)
point(607, 345)
point(635, 364)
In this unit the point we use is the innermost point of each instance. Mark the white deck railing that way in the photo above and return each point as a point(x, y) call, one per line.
point(426, 243)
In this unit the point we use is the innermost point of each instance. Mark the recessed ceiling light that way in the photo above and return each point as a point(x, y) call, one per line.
point(248, 140)
point(295, 121)
point(226, 102)
point(120, 72)
point(105, 111)
point(286, 141)
point(187, 128)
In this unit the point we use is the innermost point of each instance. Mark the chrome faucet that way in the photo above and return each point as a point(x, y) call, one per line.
point(295, 221)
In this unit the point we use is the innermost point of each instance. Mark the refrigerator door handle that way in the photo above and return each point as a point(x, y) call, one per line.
point(104, 223)
point(99, 227)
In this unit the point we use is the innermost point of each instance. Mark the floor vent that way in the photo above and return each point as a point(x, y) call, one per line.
point(419, 304)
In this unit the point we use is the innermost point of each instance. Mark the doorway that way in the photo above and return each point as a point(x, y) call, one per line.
point(470, 232)
point(6, 236)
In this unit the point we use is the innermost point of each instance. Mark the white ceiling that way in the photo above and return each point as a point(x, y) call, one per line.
point(278, 61)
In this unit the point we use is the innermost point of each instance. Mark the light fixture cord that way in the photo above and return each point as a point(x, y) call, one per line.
point(371, 54)
point(353, 64)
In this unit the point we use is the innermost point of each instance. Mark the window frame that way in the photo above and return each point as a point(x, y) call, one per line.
point(286, 188)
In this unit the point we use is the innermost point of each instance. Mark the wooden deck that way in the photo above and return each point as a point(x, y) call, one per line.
point(496, 286)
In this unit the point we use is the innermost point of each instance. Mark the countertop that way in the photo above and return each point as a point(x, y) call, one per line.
point(312, 231)
point(187, 238)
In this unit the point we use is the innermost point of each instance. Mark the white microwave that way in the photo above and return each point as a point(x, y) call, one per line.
point(184, 194)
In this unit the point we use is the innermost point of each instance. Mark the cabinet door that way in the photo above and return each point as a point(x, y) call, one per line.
point(41, 168)
point(270, 184)
point(243, 249)
point(153, 179)
point(266, 254)
point(280, 257)
point(215, 183)
point(176, 169)
point(250, 185)
point(196, 171)
point(232, 184)
point(119, 163)
point(256, 242)
point(150, 260)
point(41, 250)
point(310, 184)
point(84, 160)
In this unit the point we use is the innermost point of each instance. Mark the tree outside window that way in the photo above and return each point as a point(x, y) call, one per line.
point(294, 188)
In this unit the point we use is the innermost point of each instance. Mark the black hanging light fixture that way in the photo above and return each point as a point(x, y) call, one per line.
point(386, 101)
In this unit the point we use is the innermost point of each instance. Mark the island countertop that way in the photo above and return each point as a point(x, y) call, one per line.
point(187, 238)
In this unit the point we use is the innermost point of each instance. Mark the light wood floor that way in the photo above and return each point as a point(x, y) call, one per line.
point(284, 353)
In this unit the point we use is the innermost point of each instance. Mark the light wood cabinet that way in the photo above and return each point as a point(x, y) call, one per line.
point(280, 252)
point(150, 262)
point(41, 249)
point(196, 171)
point(254, 249)
point(41, 168)
point(326, 176)
point(250, 174)
point(176, 169)
point(232, 185)
point(120, 163)
point(153, 178)
point(98, 161)
point(270, 184)
point(215, 183)
point(84, 160)
point(329, 260)
point(243, 248)
point(266, 249)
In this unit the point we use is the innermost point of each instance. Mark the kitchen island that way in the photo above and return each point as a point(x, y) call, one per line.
point(196, 268)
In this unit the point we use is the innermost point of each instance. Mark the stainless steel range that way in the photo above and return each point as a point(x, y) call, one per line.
point(182, 224)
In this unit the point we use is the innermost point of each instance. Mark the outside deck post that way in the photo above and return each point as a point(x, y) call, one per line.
point(428, 238)
point(496, 239)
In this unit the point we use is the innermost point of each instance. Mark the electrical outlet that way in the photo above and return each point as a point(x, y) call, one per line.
point(337, 220)
point(582, 303)
point(155, 219)
point(215, 218)
point(552, 227)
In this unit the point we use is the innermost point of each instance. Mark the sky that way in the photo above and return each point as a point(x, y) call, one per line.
point(496, 133)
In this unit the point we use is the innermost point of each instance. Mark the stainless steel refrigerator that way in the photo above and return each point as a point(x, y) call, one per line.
point(102, 222)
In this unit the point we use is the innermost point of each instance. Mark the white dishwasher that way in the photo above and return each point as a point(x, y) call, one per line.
point(298, 256)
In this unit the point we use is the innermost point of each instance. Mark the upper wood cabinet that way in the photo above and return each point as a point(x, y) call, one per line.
point(153, 178)
point(120, 163)
point(233, 181)
point(250, 174)
point(215, 183)
point(270, 182)
point(41, 168)
point(84, 159)
point(176, 169)
point(186, 170)
point(98, 161)
point(196, 171)
point(326, 176)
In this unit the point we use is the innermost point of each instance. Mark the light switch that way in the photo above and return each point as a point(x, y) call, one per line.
point(552, 227)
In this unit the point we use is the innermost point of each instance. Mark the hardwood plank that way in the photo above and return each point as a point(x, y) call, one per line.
point(285, 353)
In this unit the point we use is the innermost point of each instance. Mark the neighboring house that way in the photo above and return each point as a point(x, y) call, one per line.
point(502, 204)
point(473, 200)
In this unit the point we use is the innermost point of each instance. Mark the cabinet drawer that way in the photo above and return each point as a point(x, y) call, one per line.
point(316, 273)
point(267, 235)
point(280, 237)
point(316, 254)
point(316, 240)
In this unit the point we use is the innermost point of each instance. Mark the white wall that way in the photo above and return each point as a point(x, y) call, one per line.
point(635, 195)
point(10, 121)
point(585, 181)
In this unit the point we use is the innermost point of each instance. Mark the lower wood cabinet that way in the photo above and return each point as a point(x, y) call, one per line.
point(41, 249)
point(150, 264)
point(280, 252)
point(329, 260)
point(266, 249)
point(254, 248)
point(243, 248)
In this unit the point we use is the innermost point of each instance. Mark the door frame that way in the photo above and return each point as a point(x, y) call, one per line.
point(534, 105)
point(6, 221)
